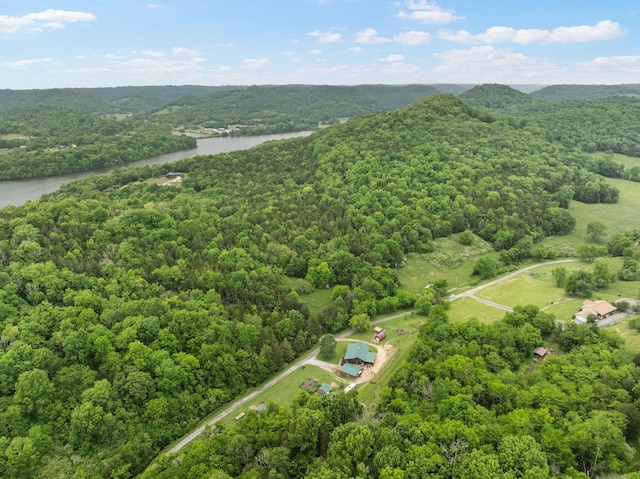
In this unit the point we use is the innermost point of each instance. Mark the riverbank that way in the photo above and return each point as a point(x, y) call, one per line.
point(18, 192)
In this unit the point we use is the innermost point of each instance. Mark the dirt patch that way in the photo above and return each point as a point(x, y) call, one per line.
point(382, 356)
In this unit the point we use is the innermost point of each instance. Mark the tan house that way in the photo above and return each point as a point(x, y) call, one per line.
point(600, 309)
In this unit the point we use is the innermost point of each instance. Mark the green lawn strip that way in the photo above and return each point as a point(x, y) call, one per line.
point(525, 288)
point(564, 309)
point(631, 336)
point(463, 309)
point(341, 348)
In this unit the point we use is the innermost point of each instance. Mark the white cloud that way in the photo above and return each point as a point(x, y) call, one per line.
point(152, 53)
point(255, 63)
point(602, 69)
point(326, 37)
point(26, 63)
point(393, 58)
point(315, 52)
point(616, 61)
point(154, 5)
point(87, 70)
point(38, 21)
point(225, 45)
point(370, 35)
point(427, 12)
point(488, 64)
point(412, 38)
point(184, 51)
point(603, 30)
point(355, 49)
point(288, 53)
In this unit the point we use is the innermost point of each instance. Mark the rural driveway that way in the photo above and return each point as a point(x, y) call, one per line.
point(309, 358)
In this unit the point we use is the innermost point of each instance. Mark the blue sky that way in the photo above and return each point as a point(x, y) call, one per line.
point(60, 43)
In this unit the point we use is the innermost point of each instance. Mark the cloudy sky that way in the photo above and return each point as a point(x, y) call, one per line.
point(79, 43)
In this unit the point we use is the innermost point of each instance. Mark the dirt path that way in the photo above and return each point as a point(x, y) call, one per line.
point(384, 352)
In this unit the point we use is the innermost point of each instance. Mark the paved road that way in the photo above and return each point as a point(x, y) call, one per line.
point(310, 358)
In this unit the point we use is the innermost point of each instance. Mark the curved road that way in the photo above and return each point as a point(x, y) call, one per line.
point(309, 358)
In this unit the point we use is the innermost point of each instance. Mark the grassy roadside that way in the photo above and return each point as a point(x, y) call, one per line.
point(454, 262)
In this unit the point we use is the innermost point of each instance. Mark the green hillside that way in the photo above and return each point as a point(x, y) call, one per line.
point(130, 310)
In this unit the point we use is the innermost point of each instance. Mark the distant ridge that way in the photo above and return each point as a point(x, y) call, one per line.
point(584, 92)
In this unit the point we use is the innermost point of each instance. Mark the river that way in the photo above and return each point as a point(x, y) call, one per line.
point(17, 192)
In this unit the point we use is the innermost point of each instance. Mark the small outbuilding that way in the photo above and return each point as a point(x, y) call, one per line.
point(379, 334)
point(325, 389)
point(540, 352)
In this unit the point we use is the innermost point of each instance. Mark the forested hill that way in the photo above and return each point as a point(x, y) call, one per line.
point(608, 124)
point(584, 92)
point(497, 97)
point(148, 99)
point(130, 310)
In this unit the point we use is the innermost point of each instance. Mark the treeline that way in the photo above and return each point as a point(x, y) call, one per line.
point(129, 310)
point(470, 403)
point(58, 140)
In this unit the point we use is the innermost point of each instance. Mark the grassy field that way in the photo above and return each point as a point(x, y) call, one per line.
point(12, 136)
point(284, 392)
point(317, 300)
point(450, 260)
point(466, 308)
point(631, 336)
point(616, 217)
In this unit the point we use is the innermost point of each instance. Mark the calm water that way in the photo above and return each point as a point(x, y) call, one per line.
point(17, 192)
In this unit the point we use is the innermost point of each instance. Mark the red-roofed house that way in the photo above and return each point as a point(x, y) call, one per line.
point(600, 309)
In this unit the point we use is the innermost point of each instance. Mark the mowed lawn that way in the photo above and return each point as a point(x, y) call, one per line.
point(464, 309)
point(622, 216)
point(631, 336)
point(284, 392)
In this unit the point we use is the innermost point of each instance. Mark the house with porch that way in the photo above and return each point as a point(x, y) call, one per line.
point(600, 309)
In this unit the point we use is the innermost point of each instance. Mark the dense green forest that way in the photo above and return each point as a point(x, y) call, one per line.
point(113, 126)
point(130, 310)
point(605, 124)
point(469, 403)
point(585, 92)
point(50, 132)
point(49, 140)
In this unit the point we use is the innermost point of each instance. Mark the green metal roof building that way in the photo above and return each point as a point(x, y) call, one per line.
point(358, 353)
point(351, 370)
